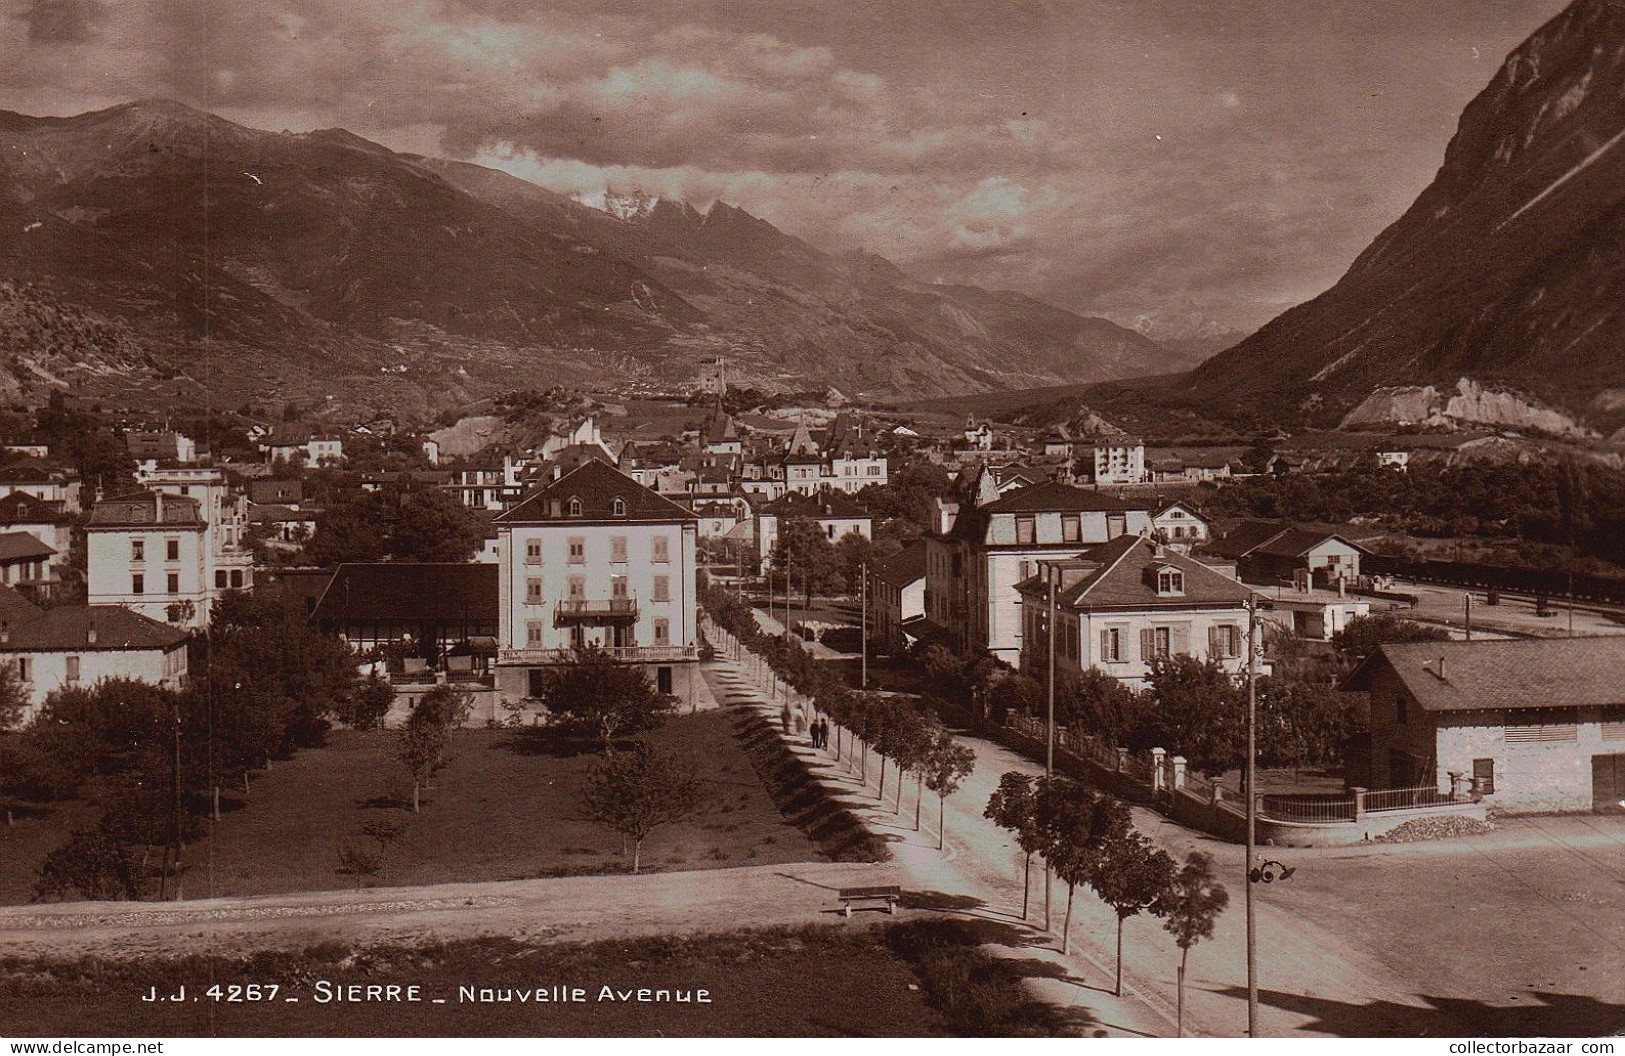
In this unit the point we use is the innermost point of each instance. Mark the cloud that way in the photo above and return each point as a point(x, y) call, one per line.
point(62, 21)
point(1113, 158)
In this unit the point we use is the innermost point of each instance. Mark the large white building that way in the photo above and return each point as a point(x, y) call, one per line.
point(595, 558)
point(158, 554)
point(986, 545)
point(1119, 606)
point(79, 645)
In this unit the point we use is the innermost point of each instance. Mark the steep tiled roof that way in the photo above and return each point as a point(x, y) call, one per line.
point(820, 504)
point(1117, 575)
point(69, 627)
point(449, 593)
point(17, 546)
point(596, 485)
point(144, 508)
point(902, 568)
point(22, 508)
point(1053, 496)
point(1295, 542)
point(1510, 674)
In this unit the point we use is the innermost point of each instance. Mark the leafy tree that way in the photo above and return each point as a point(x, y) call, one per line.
point(13, 696)
point(1131, 876)
point(367, 703)
point(1195, 707)
point(399, 523)
point(946, 764)
point(596, 694)
point(1077, 824)
point(633, 793)
point(804, 554)
point(1361, 636)
point(91, 865)
point(1014, 807)
point(262, 646)
point(1189, 908)
point(1098, 704)
point(426, 738)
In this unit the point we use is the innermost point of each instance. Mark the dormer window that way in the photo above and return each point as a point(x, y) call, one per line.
point(575, 507)
point(618, 507)
point(1170, 582)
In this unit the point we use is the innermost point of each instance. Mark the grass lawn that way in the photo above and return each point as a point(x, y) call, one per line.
point(505, 809)
point(923, 978)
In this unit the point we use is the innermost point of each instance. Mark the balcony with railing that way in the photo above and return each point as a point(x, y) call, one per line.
point(632, 654)
point(595, 610)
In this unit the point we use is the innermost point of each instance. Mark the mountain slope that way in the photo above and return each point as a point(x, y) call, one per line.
point(248, 262)
point(1509, 269)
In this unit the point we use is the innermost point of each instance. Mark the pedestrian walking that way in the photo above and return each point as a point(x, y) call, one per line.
point(823, 733)
point(784, 717)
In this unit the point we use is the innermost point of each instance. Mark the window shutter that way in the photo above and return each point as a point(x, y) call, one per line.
point(1106, 645)
point(1215, 648)
point(1148, 644)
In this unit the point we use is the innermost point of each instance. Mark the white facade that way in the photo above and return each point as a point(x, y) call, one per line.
point(45, 671)
point(1122, 462)
point(627, 585)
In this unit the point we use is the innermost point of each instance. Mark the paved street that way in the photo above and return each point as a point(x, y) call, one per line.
point(1400, 940)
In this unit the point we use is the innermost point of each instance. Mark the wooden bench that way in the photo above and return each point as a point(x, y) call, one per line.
point(886, 895)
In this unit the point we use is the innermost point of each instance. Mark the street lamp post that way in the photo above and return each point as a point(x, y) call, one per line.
point(1049, 728)
point(1252, 811)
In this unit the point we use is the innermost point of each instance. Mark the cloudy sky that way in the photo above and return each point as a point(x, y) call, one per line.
point(1176, 163)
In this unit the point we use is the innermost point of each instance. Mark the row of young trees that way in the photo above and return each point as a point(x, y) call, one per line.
point(262, 685)
point(1088, 839)
point(912, 740)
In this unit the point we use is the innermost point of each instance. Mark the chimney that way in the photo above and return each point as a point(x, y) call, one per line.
point(90, 636)
point(5, 632)
point(1342, 587)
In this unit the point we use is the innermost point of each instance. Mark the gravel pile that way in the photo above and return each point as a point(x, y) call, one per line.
point(1435, 829)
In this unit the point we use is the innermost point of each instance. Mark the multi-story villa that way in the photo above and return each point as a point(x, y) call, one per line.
point(150, 551)
point(596, 558)
point(1119, 606)
point(986, 544)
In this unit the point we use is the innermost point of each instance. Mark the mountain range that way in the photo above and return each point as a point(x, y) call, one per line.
point(164, 253)
point(1508, 271)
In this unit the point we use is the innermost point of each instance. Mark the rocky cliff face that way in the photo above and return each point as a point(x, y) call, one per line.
point(1509, 269)
point(1467, 404)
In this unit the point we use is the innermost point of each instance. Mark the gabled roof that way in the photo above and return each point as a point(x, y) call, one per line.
point(19, 546)
point(1116, 575)
point(902, 568)
point(801, 444)
point(1296, 542)
point(721, 430)
point(596, 485)
point(32, 471)
point(1189, 508)
point(1511, 674)
point(1056, 497)
point(383, 592)
point(825, 504)
point(143, 508)
point(67, 628)
point(22, 508)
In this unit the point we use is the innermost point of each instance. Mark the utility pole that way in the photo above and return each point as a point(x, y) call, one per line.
point(1252, 811)
point(864, 637)
point(1049, 729)
point(175, 804)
